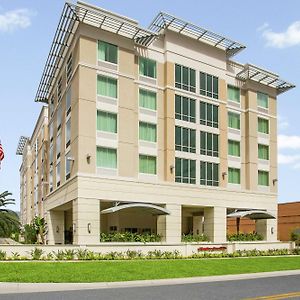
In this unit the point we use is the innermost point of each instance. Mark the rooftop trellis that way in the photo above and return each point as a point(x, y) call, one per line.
point(21, 145)
point(270, 79)
point(71, 16)
point(167, 21)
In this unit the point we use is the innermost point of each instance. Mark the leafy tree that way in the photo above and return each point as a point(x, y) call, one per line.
point(9, 220)
point(40, 226)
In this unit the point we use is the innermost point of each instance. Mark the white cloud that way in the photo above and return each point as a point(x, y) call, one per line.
point(284, 159)
point(15, 19)
point(288, 141)
point(263, 27)
point(288, 38)
point(282, 123)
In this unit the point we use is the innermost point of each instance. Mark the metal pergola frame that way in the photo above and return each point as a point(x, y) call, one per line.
point(71, 16)
point(166, 21)
point(21, 145)
point(254, 73)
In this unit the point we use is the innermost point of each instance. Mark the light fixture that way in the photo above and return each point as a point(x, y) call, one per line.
point(224, 174)
point(272, 230)
point(89, 227)
point(274, 181)
point(172, 168)
point(88, 158)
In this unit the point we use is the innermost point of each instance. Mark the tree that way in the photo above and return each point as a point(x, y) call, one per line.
point(40, 226)
point(9, 220)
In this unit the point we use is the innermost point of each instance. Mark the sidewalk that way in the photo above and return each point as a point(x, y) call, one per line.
point(10, 287)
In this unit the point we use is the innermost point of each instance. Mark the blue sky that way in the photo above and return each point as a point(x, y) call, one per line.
point(271, 33)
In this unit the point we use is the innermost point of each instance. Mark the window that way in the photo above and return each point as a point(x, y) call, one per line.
point(58, 118)
point(209, 85)
point(147, 132)
point(106, 121)
point(69, 68)
point(107, 52)
point(263, 178)
point(147, 67)
point(209, 173)
point(51, 154)
point(68, 102)
point(58, 143)
point(262, 100)
point(234, 176)
point(185, 109)
point(107, 86)
point(51, 132)
point(263, 152)
point(185, 78)
point(233, 93)
point(51, 180)
point(68, 133)
point(59, 88)
point(185, 170)
point(185, 139)
point(263, 125)
point(58, 174)
point(68, 165)
point(147, 164)
point(209, 144)
point(51, 106)
point(234, 148)
point(147, 99)
point(209, 114)
point(106, 158)
point(234, 120)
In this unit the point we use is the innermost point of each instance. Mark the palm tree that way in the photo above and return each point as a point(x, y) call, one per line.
point(9, 220)
point(40, 226)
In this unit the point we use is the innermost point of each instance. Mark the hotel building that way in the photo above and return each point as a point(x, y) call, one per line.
point(151, 130)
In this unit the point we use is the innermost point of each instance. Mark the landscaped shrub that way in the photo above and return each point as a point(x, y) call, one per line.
point(29, 234)
point(2, 255)
point(36, 254)
point(244, 237)
point(129, 237)
point(295, 235)
point(188, 238)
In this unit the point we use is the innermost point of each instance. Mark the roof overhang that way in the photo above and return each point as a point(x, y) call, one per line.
point(154, 209)
point(166, 21)
point(252, 214)
point(21, 145)
point(254, 73)
point(74, 14)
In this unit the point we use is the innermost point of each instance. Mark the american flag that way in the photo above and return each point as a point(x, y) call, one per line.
point(1, 153)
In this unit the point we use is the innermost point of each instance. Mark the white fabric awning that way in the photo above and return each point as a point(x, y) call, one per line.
point(252, 214)
point(154, 209)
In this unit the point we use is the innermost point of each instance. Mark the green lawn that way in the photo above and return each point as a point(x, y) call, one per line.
point(104, 271)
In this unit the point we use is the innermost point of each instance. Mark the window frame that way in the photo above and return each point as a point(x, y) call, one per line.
point(147, 158)
point(189, 134)
point(207, 91)
point(146, 67)
point(109, 45)
point(181, 84)
point(204, 168)
point(183, 163)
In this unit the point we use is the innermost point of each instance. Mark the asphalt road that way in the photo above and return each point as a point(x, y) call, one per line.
point(283, 287)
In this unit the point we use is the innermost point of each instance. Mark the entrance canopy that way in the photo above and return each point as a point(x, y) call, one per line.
point(252, 214)
point(154, 209)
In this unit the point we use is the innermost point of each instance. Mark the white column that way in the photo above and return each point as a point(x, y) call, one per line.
point(267, 228)
point(56, 227)
point(215, 224)
point(169, 226)
point(86, 221)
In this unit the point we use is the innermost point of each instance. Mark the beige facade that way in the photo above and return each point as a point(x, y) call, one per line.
point(96, 163)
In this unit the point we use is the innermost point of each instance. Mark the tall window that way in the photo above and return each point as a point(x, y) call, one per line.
point(185, 109)
point(51, 132)
point(209, 114)
point(107, 52)
point(234, 148)
point(51, 180)
point(147, 132)
point(106, 121)
point(51, 154)
point(234, 120)
point(263, 178)
point(68, 102)
point(209, 85)
point(51, 106)
point(263, 152)
point(185, 139)
point(106, 158)
point(68, 165)
point(147, 67)
point(185, 170)
point(69, 68)
point(233, 93)
point(59, 89)
point(58, 118)
point(262, 100)
point(185, 78)
point(209, 144)
point(263, 125)
point(68, 133)
point(107, 86)
point(58, 144)
point(147, 164)
point(234, 176)
point(58, 174)
point(147, 99)
point(209, 173)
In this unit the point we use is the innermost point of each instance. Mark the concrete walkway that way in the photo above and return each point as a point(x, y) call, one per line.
point(11, 287)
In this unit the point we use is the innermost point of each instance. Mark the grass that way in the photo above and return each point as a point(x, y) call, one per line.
point(108, 271)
